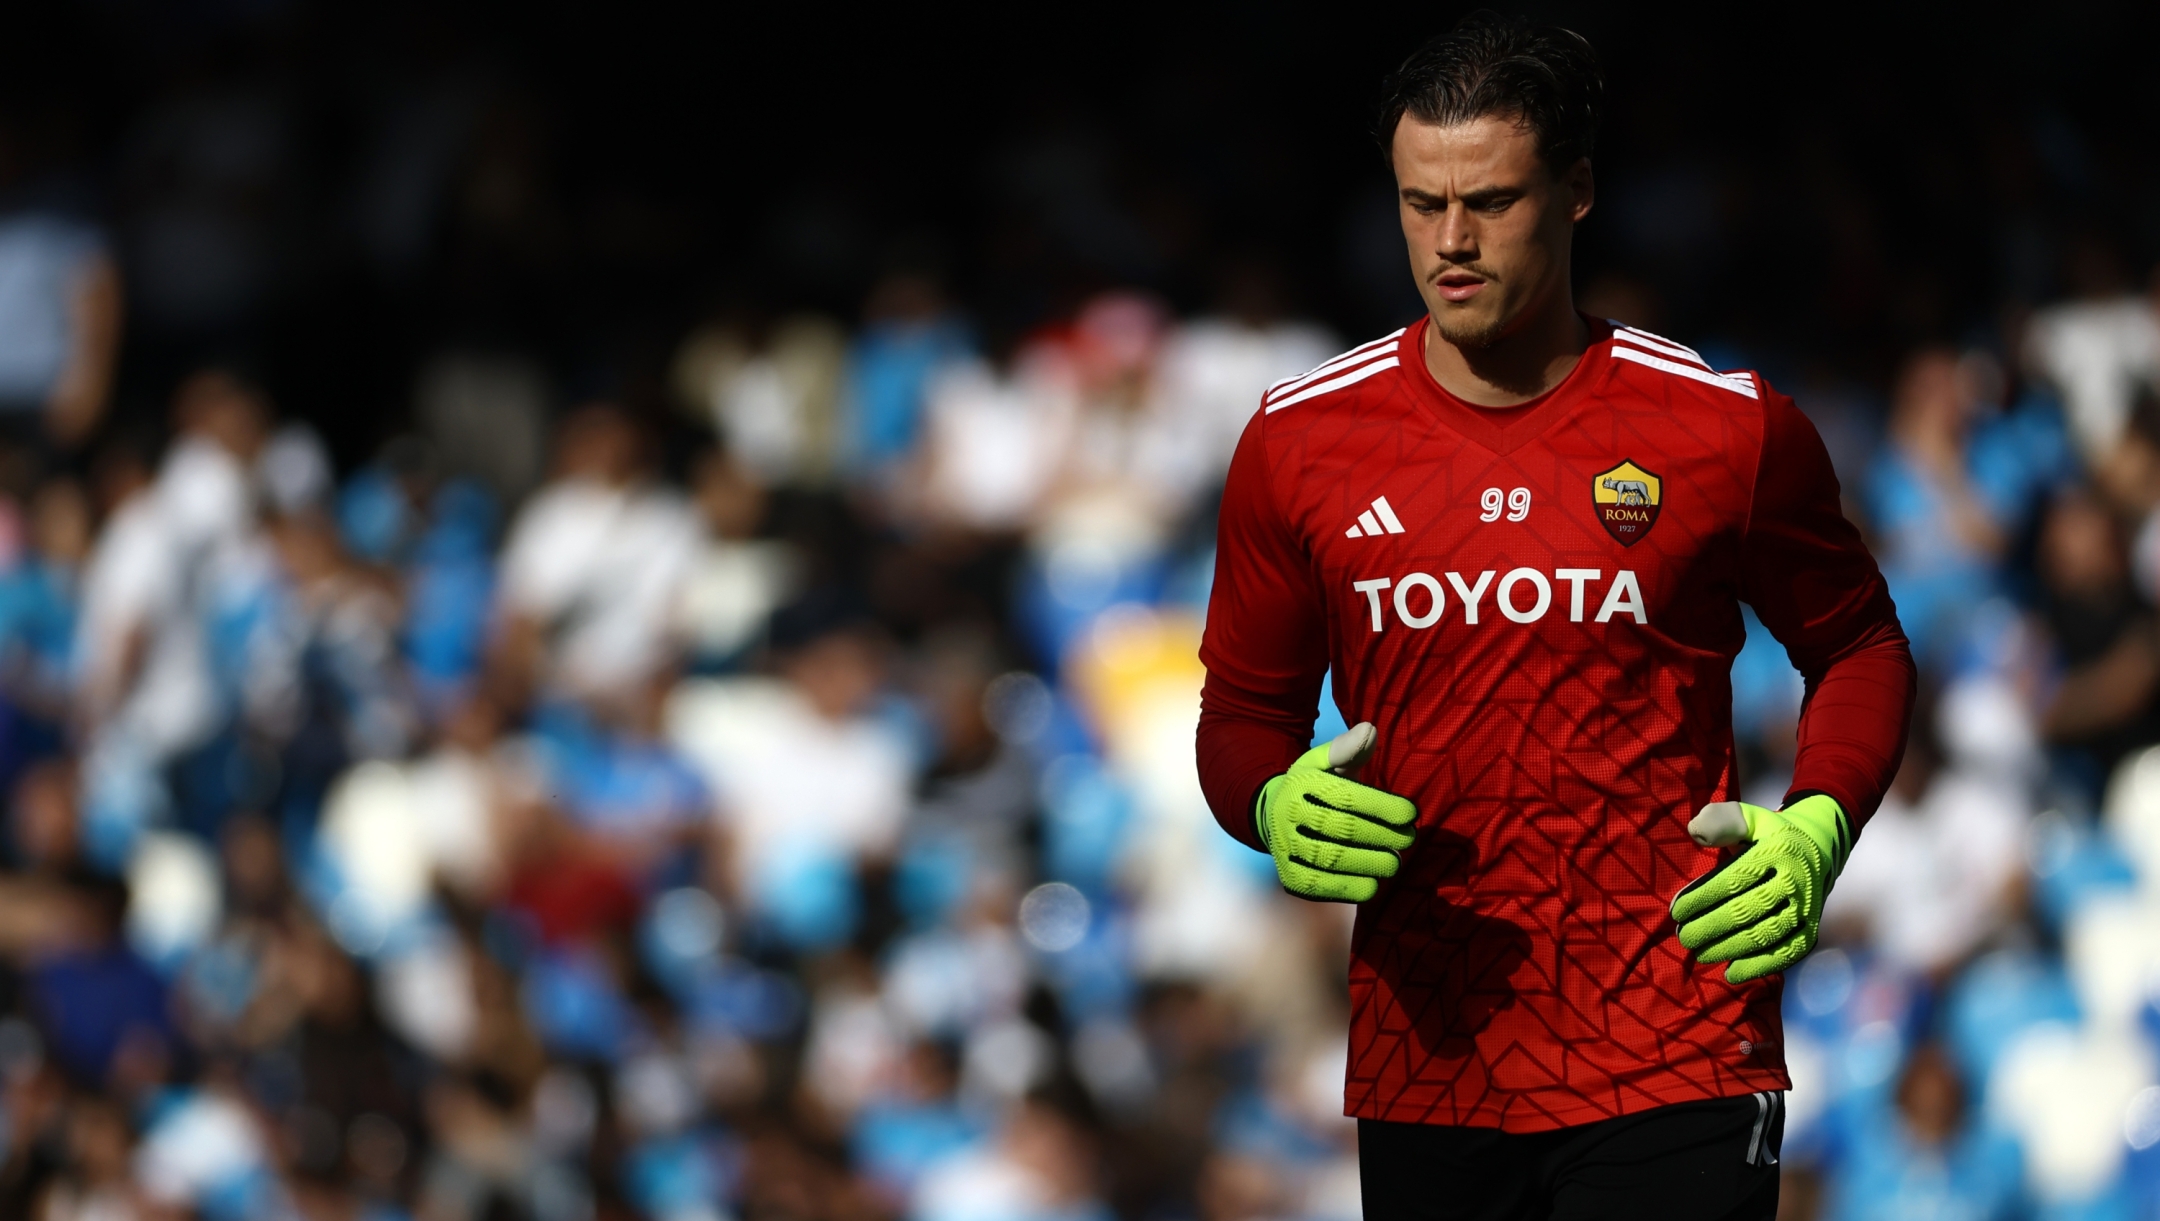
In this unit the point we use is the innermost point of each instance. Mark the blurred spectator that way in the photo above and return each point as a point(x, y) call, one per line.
point(486, 417)
point(320, 662)
point(909, 334)
point(1043, 1166)
point(43, 839)
point(806, 738)
point(142, 646)
point(2021, 450)
point(738, 579)
point(2103, 631)
point(38, 602)
point(1924, 1157)
point(593, 567)
point(98, 1181)
point(403, 518)
point(1213, 369)
point(1121, 448)
point(60, 316)
point(994, 438)
point(2101, 354)
point(771, 393)
point(979, 790)
point(103, 1012)
point(1940, 537)
point(1935, 876)
point(913, 1122)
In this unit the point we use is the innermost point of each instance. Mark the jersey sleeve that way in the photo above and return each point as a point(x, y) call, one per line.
point(1811, 580)
point(1265, 647)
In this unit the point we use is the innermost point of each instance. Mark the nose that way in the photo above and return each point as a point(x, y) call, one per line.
point(1458, 235)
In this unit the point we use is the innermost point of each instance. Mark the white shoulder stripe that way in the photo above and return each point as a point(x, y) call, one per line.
point(1362, 349)
point(1656, 343)
point(1354, 376)
point(1333, 364)
point(1736, 384)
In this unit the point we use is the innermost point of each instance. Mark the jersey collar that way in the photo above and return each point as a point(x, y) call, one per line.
point(1506, 429)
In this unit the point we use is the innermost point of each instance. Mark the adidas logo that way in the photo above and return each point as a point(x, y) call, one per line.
point(1380, 519)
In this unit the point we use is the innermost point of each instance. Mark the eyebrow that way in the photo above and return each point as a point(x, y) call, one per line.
point(1472, 198)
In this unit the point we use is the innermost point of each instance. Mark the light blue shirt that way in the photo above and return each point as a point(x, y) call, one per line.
point(41, 257)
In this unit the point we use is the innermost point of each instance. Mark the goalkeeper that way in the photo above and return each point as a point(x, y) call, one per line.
point(1520, 539)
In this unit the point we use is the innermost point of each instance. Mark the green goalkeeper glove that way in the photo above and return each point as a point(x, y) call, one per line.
point(1332, 838)
point(1762, 910)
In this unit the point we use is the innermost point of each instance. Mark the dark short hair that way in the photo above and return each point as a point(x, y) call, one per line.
point(1545, 77)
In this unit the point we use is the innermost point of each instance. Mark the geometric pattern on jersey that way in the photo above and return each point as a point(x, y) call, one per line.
point(1555, 700)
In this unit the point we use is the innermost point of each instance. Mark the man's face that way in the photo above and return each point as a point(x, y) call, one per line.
point(1487, 222)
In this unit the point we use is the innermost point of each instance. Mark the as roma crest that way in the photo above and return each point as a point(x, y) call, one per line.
point(1626, 500)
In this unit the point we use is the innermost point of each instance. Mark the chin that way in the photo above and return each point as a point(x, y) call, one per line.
point(1480, 331)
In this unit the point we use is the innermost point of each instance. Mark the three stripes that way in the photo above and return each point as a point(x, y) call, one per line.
point(1368, 524)
point(1695, 367)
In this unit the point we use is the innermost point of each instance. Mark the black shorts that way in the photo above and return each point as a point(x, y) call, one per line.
point(1696, 1161)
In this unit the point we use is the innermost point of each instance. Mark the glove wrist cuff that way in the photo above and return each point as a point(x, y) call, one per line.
point(1825, 821)
point(1259, 813)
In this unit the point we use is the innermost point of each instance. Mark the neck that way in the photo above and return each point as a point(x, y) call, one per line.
point(1531, 358)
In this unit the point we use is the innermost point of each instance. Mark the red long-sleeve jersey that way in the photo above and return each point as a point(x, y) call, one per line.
point(1539, 607)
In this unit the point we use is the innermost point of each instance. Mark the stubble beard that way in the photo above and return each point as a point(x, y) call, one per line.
point(1476, 334)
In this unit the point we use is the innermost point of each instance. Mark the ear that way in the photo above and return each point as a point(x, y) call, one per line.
point(1581, 187)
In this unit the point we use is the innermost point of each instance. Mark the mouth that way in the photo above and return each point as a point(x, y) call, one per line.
point(1458, 285)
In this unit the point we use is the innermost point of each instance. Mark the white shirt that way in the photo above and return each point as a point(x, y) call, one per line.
point(995, 443)
point(1208, 382)
point(2097, 354)
point(602, 569)
point(732, 589)
point(980, 1184)
point(795, 785)
point(136, 581)
point(206, 496)
point(1930, 878)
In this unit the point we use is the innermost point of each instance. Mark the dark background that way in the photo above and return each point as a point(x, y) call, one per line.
point(1818, 188)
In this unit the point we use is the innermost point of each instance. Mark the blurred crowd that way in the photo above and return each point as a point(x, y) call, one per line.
point(1976, 1039)
point(689, 760)
point(782, 807)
